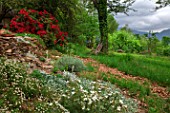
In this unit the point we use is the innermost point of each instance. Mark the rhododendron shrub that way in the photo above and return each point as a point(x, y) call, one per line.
point(41, 23)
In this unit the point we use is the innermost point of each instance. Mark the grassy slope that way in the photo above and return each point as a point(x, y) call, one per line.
point(155, 104)
point(156, 69)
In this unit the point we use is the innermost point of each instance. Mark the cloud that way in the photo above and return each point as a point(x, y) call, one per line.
point(145, 18)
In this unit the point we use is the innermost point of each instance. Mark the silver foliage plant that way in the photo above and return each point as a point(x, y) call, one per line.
point(69, 63)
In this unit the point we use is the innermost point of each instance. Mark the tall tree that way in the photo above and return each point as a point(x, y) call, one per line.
point(126, 28)
point(152, 41)
point(112, 6)
point(101, 6)
point(112, 24)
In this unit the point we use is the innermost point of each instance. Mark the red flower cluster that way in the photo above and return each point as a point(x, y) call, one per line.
point(38, 22)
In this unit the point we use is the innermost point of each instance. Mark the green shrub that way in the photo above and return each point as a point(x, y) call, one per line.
point(124, 40)
point(163, 51)
point(70, 64)
point(77, 49)
point(166, 51)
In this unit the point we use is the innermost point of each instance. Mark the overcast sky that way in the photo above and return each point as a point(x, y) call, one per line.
point(146, 18)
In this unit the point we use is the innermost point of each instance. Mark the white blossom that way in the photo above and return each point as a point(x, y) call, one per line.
point(121, 101)
point(118, 108)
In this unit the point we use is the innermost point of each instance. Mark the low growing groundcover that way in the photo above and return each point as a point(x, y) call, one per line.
point(39, 92)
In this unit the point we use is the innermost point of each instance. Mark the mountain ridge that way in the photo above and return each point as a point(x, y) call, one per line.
point(158, 34)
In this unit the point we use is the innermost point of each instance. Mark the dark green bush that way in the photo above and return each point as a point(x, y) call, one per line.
point(166, 51)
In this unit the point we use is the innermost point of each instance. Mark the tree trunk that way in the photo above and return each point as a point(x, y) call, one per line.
point(101, 6)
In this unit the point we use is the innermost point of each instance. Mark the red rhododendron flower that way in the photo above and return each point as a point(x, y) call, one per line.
point(24, 12)
point(60, 33)
point(45, 12)
point(55, 41)
point(21, 30)
point(40, 23)
point(21, 24)
point(62, 38)
point(33, 30)
point(65, 33)
point(41, 26)
point(14, 22)
point(4, 27)
point(54, 26)
point(32, 11)
point(52, 18)
point(40, 13)
point(15, 18)
point(41, 32)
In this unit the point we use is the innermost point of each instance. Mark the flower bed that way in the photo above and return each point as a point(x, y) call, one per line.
point(83, 95)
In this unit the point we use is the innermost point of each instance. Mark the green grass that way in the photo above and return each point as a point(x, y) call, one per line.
point(77, 49)
point(133, 87)
point(156, 69)
point(89, 67)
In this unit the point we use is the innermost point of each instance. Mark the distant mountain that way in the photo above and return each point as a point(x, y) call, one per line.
point(163, 33)
point(138, 32)
point(158, 34)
